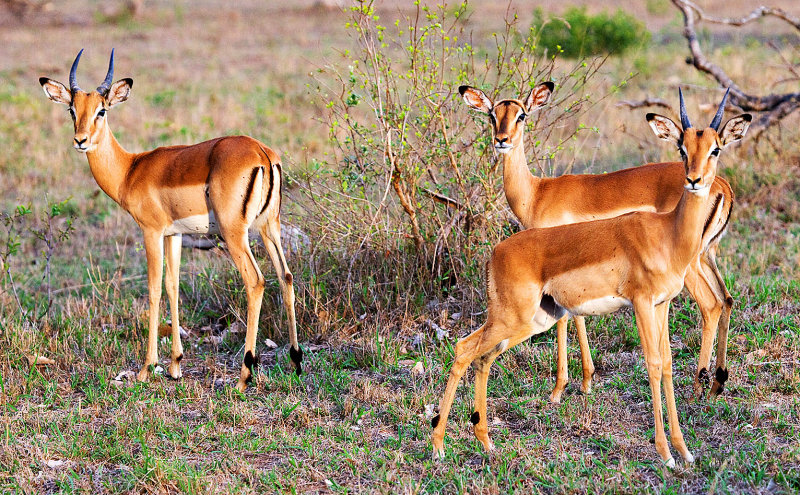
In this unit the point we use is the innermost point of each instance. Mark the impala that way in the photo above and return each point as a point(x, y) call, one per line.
point(638, 259)
point(225, 186)
point(548, 202)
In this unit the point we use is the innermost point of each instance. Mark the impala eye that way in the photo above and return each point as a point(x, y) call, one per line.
point(72, 113)
point(715, 152)
point(102, 112)
point(521, 117)
point(492, 119)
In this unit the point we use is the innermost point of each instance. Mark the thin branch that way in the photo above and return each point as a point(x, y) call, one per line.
point(647, 102)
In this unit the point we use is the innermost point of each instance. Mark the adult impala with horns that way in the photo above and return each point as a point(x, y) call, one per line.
point(225, 186)
point(638, 259)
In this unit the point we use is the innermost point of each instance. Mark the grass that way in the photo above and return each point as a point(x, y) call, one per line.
point(358, 420)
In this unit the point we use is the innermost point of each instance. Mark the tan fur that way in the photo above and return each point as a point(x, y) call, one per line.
point(548, 202)
point(168, 189)
point(639, 259)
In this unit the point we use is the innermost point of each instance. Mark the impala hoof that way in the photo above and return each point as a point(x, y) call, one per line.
point(670, 463)
point(555, 398)
point(689, 458)
point(241, 385)
point(586, 387)
point(175, 371)
point(438, 454)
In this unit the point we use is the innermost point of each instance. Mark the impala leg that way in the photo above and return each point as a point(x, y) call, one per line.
point(721, 373)
point(649, 335)
point(271, 234)
point(710, 307)
point(586, 354)
point(154, 250)
point(254, 286)
point(562, 373)
point(172, 253)
point(675, 433)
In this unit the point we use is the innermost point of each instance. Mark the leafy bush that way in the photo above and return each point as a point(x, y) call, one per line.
point(410, 192)
point(578, 34)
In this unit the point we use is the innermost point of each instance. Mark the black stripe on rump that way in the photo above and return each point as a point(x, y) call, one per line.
point(249, 192)
point(724, 226)
point(711, 215)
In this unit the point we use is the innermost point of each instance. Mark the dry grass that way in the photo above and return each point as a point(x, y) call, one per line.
point(356, 422)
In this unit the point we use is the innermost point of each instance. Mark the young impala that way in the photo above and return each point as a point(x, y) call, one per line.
point(638, 259)
point(226, 185)
point(548, 202)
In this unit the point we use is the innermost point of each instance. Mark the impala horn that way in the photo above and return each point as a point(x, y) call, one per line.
point(684, 118)
point(103, 88)
point(720, 111)
point(73, 80)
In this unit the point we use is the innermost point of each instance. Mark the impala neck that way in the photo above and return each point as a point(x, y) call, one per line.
point(518, 183)
point(688, 227)
point(110, 164)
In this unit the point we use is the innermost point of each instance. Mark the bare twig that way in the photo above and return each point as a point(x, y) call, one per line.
point(647, 102)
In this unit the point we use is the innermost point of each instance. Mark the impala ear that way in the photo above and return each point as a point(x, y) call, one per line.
point(476, 99)
point(735, 129)
point(56, 91)
point(664, 128)
point(539, 96)
point(119, 91)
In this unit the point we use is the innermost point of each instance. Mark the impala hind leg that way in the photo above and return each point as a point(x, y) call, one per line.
point(254, 287)
point(478, 343)
point(271, 234)
point(710, 305)
point(172, 253)
point(675, 433)
point(154, 250)
point(649, 334)
point(721, 373)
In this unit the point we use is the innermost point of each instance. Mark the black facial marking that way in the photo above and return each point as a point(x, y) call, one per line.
point(435, 421)
point(249, 192)
point(297, 357)
point(475, 418)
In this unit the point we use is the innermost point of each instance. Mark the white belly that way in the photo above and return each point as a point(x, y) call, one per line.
point(195, 224)
point(600, 306)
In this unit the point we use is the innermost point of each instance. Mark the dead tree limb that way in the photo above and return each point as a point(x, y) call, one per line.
point(773, 107)
point(647, 102)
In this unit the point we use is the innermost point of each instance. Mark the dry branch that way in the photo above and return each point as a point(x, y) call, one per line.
point(774, 107)
point(647, 102)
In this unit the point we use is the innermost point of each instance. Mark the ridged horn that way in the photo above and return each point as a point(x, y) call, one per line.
point(720, 112)
point(73, 79)
point(103, 88)
point(684, 118)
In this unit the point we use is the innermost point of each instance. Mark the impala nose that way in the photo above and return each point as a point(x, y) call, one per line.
point(80, 142)
point(693, 183)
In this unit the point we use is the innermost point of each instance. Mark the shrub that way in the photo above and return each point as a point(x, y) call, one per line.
point(578, 34)
point(409, 195)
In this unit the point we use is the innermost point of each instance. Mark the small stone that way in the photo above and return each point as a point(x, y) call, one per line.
point(418, 369)
point(270, 344)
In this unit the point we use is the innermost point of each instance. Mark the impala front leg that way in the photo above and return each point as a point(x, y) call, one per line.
point(562, 373)
point(649, 336)
point(172, 252)
point(154, 249)
point(675, 433)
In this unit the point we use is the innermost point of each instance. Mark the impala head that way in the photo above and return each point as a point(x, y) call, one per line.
point(507, 116)
point(88, 109)
point(700, 149)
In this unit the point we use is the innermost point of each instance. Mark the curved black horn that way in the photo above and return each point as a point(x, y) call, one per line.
point(720, 111)
point(684, 118)
point(73, 80)
point(103, 88)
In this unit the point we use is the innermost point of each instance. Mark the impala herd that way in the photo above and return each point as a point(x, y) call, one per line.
point(593, 244)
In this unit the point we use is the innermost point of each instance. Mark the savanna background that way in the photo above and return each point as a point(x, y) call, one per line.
point(393, 200)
